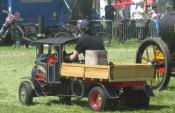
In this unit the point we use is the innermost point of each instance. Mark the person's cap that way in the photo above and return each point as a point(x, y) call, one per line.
point(84, 24)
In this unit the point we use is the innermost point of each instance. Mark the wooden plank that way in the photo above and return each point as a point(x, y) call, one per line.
point(146, 71)
point(71, 64)
point(131, 79)
point(97, 66)
point(100, 72)
point(72, 70)
point(87, 71)
point(125, 72)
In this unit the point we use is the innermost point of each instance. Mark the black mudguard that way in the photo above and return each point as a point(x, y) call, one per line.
point(148, 91)
point(36, 86)
point(109, 90)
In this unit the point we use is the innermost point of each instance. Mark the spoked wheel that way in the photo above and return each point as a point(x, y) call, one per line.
point(16, 32)
point(98, 99)
point(3, 33)
point(25, 93)
point(155, 51)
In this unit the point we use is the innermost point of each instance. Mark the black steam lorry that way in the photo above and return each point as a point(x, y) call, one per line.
point(105, 85)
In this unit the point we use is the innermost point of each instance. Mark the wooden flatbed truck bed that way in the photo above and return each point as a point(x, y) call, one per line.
point(113, 73)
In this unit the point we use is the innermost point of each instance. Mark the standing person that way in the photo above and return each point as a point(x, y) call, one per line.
point(154, 14)
point(140, 12)
point(109, 11)
point(109, 16)
point(141, 17)
point(155, 20)
point(85, 42)
point(122, 25)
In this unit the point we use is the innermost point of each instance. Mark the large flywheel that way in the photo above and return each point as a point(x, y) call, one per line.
point(154, 51)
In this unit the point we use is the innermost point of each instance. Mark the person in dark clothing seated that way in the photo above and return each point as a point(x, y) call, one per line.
point(85, 42)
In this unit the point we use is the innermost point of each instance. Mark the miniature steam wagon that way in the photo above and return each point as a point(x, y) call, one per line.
point(105, 85)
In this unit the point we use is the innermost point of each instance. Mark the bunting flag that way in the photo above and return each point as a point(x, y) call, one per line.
point(123, 3)
point(129, 2)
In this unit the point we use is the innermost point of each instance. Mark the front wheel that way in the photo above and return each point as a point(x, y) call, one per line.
point(154, 51)
point(25, 93)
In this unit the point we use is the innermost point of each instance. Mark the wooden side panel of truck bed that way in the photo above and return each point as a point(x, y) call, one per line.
point(131, 72)
point(113, 73)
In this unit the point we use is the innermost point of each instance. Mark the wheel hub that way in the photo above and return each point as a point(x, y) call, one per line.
point(23, 94)
point(96, 100)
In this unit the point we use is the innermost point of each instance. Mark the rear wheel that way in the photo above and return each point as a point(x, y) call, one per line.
point(25, 93)
point(155, 51)
point(98, 99)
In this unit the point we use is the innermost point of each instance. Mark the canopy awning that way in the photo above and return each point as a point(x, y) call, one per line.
point(123, 3)
point(61, 40)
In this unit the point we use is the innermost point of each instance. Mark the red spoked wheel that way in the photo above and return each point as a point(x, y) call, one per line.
point(154, 51)
point(98, 99)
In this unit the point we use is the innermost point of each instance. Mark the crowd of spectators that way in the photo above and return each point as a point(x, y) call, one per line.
point(143, 17)
point(146, 18)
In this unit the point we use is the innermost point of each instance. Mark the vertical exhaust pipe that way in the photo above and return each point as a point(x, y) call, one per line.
point(41, 32)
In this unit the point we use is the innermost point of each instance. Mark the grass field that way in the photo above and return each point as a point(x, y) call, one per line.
point(17, 63)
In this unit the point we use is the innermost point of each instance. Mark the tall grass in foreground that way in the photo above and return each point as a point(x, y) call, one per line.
point(17, 63)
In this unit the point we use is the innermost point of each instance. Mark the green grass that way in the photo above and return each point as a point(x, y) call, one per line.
point(17, 63)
